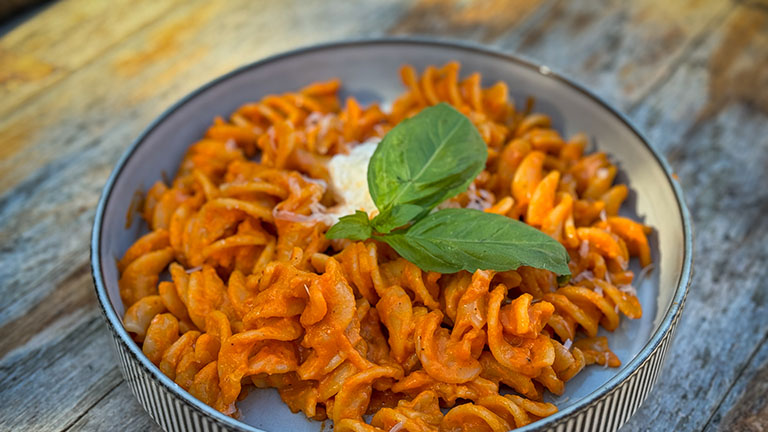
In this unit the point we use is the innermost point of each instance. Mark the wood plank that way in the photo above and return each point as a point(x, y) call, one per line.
point(62, 38)
point(617, 49)
point(45, 228)
point(711, 123)
point(68, 300)
point(746, 407)
point(58, 376)
point(118, 409)
point(486, 21)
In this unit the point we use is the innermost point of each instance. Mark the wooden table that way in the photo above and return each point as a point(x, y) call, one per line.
point(81, 79)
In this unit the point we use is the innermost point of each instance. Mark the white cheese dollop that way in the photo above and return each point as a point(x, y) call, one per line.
point(349, 181)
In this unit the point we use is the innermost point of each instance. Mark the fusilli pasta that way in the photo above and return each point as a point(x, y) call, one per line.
point(258, 297)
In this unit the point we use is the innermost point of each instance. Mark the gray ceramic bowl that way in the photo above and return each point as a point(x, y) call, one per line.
point(597, 399)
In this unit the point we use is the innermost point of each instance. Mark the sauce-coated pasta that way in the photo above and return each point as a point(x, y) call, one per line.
point(258, 297)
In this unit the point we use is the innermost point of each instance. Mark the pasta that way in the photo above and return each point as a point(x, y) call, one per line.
point(257, 296)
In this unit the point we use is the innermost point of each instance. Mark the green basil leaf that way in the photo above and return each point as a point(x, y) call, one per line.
point(354, 227)
point(421, 162)
point(385, 222)
point(463, 239)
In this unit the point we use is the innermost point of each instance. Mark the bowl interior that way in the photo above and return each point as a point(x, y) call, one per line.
point(370, 73)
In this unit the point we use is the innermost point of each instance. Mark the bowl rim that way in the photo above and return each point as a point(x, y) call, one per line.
point(675, 307)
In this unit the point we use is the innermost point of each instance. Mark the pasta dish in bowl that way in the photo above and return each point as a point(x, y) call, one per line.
point(445, 258)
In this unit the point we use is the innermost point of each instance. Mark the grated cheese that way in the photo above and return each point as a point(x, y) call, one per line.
point(349, 181)
point(628, 289)
point(584, 249)
point(585, 275)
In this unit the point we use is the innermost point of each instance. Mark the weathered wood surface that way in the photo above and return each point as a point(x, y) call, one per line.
point(81, 79)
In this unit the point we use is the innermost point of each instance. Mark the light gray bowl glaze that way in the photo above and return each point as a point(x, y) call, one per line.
point(597, 399)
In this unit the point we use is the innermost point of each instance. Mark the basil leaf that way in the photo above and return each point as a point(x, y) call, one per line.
point(463, 239)
point(354, 227)
point(421, 162)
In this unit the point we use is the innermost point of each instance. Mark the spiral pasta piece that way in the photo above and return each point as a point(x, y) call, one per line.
point(527, 355)
point(472, 417)
point(444, 358)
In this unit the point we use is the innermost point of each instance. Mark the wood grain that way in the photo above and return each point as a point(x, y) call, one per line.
point(482, 21)
point(746, 406)
point(35, 57)
point(716, 138)
point(118, 407)
point(80, 81)
point(618, 49)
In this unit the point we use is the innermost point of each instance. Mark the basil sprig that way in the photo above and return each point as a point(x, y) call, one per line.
point(421, 162)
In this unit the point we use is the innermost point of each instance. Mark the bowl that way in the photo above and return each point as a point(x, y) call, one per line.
point(597, 399)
